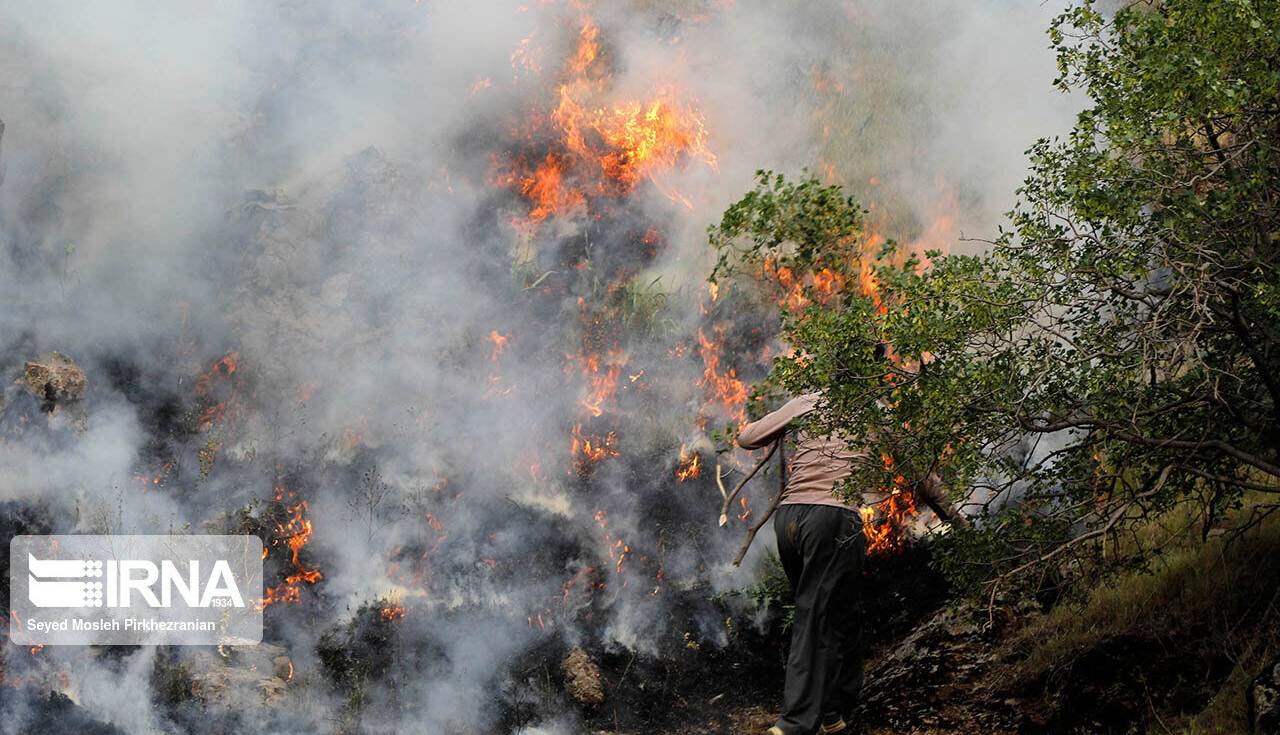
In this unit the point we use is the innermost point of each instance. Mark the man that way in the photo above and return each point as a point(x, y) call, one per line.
point(821, 546)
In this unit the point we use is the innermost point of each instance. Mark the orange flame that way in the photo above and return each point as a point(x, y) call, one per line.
point(599, 149)
point(206, 385)
point(724, 386)
point(588, 47)
point(884, 524)
point(224, 367)
point(647, 138)
point(798, 288)
point(617, 548)
point(294, 533)
point(588, 449)
point(869, 286)
point(499, 344)
point(603, 385)
point(690, 466)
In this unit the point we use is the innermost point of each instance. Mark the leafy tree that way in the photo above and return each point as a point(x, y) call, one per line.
point(1114, 352)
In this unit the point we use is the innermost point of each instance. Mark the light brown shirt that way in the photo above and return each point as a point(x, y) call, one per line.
point(818, 463)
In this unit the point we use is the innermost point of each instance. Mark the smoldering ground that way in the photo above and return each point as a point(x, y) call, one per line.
point(279, 241)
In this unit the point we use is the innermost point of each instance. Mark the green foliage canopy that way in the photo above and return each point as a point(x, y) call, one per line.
point(1115, 351)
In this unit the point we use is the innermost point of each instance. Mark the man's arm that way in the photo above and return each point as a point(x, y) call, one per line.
point(934, 494)
point(759, 433)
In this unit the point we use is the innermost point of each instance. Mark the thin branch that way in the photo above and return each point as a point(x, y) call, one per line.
point(1233, 481)
point(773, 504)
point(728, 499)
point(1148, 441)
point(1115, 518)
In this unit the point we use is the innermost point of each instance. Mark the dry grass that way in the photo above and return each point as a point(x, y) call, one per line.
point(1198, 601)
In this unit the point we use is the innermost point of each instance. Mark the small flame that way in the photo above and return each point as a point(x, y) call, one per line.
point(798, 290)
point(527, 57)
point(588, 449)
point(726, 389)
point(499, 341)
point(617, 548)
point(588, 47)
point(869, 286)
point(884, 525)
point(216, 390)
point(603, 385)
point(224, 367)
point(690, 465)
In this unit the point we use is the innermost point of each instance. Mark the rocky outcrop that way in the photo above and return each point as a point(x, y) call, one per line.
point(1263, 699)
point(57, 387)
point(935, 679)
point(582, 678)
point(54, 379)
point(249, 673)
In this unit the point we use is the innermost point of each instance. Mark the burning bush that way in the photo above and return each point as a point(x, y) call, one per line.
point(361, 651)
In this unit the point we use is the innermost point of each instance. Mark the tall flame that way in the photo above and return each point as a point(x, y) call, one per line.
point(602, 148)
point(728, 393)
point(294, 533)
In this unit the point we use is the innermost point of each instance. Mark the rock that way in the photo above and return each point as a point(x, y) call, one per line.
point(58, 386)
point(1263, 699)
point(934, 679)
point(55, 379)
point(582, 677)
point(249, 673)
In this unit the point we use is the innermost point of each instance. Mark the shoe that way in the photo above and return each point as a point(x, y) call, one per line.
point(832, 724)
point(775, 730)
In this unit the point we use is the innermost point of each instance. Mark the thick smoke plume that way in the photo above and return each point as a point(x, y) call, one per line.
point(322, 289)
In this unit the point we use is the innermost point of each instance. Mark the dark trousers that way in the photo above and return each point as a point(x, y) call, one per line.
point(821, 548)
